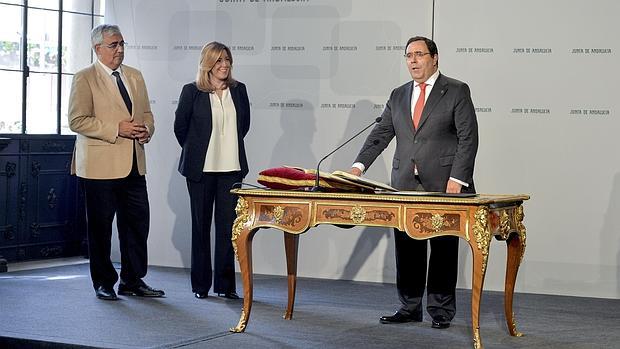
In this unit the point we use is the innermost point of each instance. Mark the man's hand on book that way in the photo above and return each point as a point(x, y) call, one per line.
point(355, 171)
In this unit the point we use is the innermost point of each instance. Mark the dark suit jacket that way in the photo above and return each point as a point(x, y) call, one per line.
point(443, 146)
point(192, 127)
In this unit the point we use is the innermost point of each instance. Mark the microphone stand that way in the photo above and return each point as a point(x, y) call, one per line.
point(317, 186)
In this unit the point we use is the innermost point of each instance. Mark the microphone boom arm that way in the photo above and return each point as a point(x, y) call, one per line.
point(317, 186)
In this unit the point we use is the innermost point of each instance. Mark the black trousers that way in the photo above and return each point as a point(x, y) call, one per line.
point(412, 278)
point(411, 274)
point(127, 198)
point(213, 189)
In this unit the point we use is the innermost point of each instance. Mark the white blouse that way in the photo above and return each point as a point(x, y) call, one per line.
point(223, 150)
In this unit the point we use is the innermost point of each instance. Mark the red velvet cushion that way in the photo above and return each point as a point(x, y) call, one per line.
point(298, 178)
point(285, 178)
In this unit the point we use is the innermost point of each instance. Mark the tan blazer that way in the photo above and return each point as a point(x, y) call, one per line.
point(95, 109)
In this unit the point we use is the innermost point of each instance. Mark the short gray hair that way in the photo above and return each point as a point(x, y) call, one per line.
point(96, 35)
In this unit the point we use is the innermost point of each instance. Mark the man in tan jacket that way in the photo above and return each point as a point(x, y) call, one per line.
point(110, 112)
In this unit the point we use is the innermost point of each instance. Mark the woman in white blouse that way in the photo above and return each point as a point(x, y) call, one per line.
point(211, 120)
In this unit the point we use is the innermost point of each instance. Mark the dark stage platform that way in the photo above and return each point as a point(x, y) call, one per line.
point(56, 308)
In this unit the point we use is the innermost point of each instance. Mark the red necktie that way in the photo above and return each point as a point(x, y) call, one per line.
point(419, 105)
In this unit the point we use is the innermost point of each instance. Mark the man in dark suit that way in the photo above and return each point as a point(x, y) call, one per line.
point(109, 110)
point(434, 122)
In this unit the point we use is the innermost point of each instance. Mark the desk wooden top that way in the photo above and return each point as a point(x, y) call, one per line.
point(436, 198)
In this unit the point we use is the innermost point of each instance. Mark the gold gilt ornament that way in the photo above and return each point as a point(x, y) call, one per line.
point(477, 341)
point(504, 225)
point(358, 214)
point(519, 215)
point(482, 234)
point(514, 327)
point(278, 213)
point(242, 218)
point(241, 325)
point(437, 222)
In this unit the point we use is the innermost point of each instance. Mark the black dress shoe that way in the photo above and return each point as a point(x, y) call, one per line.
point(229, 295)
point(440, 322)
point(106, 294)
point(399, 318)
point(201, 295)
point(142, 290)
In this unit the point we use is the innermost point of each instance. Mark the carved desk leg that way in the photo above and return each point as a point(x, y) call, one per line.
point(516, 249)
point(480, 253)
point(242, 243)
point(291, 244)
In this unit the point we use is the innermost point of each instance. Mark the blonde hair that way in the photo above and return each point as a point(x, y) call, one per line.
point(209, 55)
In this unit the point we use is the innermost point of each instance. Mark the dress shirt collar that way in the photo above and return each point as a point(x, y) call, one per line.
point(108, 70)
point(431, 80)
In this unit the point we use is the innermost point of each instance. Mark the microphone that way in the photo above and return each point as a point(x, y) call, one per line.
point(317, 186)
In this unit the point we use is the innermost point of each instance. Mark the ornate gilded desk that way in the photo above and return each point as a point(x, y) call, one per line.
point(474, 219)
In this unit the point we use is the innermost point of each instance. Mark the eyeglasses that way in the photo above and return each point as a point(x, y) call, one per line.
point(416, 54)
point(114, 45)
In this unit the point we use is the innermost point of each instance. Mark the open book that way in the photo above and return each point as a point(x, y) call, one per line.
point(348, 180)
point(362, 181)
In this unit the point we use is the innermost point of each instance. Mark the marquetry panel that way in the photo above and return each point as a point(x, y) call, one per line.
point(425, 222)
point(291, 217)
point(369, 215)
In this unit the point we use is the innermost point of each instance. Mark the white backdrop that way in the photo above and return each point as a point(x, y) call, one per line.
point(318, 71)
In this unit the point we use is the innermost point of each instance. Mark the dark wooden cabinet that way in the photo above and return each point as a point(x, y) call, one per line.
point(41, 209)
